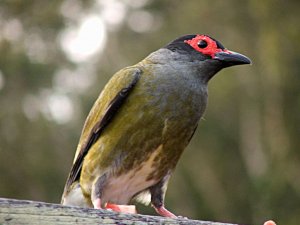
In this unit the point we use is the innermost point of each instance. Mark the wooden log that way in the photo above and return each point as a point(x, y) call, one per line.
point(19, 212)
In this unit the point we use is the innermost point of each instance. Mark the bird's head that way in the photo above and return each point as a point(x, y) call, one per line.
point(209, 53)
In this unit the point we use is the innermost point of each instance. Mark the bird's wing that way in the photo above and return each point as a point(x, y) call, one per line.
point(105, 108)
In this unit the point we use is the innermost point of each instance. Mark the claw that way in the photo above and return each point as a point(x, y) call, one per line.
point(164, 212)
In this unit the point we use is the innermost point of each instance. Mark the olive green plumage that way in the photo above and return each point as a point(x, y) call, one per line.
point(145, 121)
point(138, 128)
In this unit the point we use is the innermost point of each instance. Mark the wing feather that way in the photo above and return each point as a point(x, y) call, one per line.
point(97, 121)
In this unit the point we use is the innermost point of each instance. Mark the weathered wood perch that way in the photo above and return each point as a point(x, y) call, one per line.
point(18, 212)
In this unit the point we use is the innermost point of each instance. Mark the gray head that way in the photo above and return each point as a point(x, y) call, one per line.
point(210, 53)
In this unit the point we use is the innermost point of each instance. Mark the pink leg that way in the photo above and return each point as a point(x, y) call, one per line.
point(97, 203)
point(164, 212)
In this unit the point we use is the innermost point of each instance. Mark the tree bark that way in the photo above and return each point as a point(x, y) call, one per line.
point(20, 212)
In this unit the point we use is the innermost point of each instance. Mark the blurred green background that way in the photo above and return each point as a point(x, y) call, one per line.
point(243, 163)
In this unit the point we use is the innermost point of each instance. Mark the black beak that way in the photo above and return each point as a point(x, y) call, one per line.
point(230, 58)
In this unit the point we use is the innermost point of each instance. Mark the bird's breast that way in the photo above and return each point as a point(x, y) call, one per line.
point(175, 91)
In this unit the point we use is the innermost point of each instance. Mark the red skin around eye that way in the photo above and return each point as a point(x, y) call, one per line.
point(211, 48)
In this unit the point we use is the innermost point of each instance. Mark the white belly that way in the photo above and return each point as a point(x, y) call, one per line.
point(121, 189)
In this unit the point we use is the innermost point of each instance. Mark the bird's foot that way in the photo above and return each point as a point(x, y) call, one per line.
point(164, 212)
point(121, 208)
point(114, 207)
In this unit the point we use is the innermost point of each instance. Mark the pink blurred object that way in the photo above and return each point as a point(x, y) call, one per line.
point(270, 222)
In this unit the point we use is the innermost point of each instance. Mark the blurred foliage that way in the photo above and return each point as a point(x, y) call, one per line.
point(243, 163)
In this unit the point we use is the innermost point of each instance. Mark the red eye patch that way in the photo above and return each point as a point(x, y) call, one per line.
point(211, 49)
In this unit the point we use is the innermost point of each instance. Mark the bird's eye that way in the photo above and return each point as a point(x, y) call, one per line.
point(202, 44)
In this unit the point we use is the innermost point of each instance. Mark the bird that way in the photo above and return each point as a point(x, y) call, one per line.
point(141, 123)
